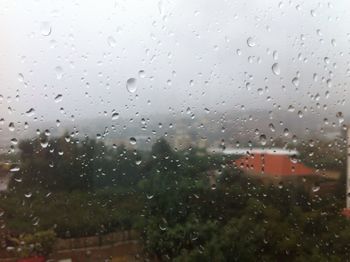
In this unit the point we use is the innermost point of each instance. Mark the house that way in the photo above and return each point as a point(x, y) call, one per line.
point(276, 167)
point(273, 164)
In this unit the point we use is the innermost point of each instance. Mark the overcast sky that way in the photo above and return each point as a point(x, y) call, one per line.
point(191, 53)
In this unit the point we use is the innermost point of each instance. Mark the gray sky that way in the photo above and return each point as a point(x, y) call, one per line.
point(193, 53)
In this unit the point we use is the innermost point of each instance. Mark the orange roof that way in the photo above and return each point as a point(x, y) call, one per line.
point(272, 164)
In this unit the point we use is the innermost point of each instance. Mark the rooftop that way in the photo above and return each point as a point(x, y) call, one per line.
point(249, 151)
point(273, 165)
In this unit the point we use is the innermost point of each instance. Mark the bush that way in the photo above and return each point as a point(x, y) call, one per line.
point(40, 243)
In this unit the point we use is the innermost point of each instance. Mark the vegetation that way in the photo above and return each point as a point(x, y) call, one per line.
point(39, 243)
point(83, 188)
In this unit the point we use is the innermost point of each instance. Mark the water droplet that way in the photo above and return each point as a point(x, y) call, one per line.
point(111, 41)
point(294, 139)
point(115, 116)
point(326, 60)
point(28, 195)
point(272, 127)
point(340, 117)
point(334, 43)
point(149, 196)
point(58, 98)
point(30, 112)
point(262, 140)
point(160, 7)
point(132, 140)
point(311, 143)
point(14, 168)
point(14, 141)
point(20, 77)
point(251, 42)
point(275, 55)
point(131, 85)
point(45, 28)
point(276, 69)
point(44, 144)
point(295, 81)
point(59, 72)
point(300, 114)
point(194, 236)
point(142, 74)
point(291, 108)
point(294, 159)
point(162, 227)
point(315, 188)
point(12, 127)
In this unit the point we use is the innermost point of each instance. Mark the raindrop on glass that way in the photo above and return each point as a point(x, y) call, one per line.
point(14, 168)
point(14, 141)
point(295, 81)
point(149, 196)
point(20, 77)
point(132, 140)
point(30, 112)
point(45, 28)
point(28, 195)
point(131, 85)
point(262, 140)
point(291, 108)
point(12, 127)
point(44, 144)
point(115, 116)
point(300, 114)
point(334, 43)
point(111, 41)
point(59, 72)
point(276, 69)
point(58, 98)
point(340, 117)
point(251, 42)
point(315, 188)
point(142, 74)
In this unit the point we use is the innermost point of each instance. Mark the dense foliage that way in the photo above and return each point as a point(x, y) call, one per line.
point(188, 205)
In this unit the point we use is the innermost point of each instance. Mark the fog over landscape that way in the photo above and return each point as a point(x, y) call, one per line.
point(163, 130)
point(72, 61)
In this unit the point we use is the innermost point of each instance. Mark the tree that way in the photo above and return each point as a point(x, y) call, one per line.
point(40, 243)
